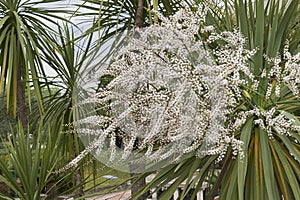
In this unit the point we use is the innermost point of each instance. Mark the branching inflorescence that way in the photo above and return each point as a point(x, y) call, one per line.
point(168, 95)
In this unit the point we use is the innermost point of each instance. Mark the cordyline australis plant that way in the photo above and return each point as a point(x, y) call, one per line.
point(168, 94)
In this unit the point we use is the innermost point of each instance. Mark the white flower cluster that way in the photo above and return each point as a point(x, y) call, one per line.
point(166, 96)
point(284, 72)
point(232, 60)
point(270, 121)
point(291, 72)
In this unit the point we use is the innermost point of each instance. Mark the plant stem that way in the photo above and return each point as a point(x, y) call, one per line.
point(139, 18)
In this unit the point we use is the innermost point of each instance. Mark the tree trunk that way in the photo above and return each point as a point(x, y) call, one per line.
point(139, 16)
point(78, 181)
point(21, 106)
point(136, 183)
point(77, 174)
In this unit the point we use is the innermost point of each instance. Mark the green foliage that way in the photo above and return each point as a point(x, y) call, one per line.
point(24, 32)
point(33, 160)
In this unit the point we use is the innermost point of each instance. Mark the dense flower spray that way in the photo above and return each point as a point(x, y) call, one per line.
point(167, 94)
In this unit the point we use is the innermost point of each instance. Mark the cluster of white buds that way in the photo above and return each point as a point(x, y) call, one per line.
point(283, 71)
point(232, 59)
point(291, 72)
point(167, 96)
point(271, 121)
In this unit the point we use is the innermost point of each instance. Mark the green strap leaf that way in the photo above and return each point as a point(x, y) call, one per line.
point(288, 170)
point(3, 20)
point(268, 169)
point(243, 161)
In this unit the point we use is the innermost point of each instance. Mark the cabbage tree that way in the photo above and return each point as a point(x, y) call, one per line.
point(25, 29)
